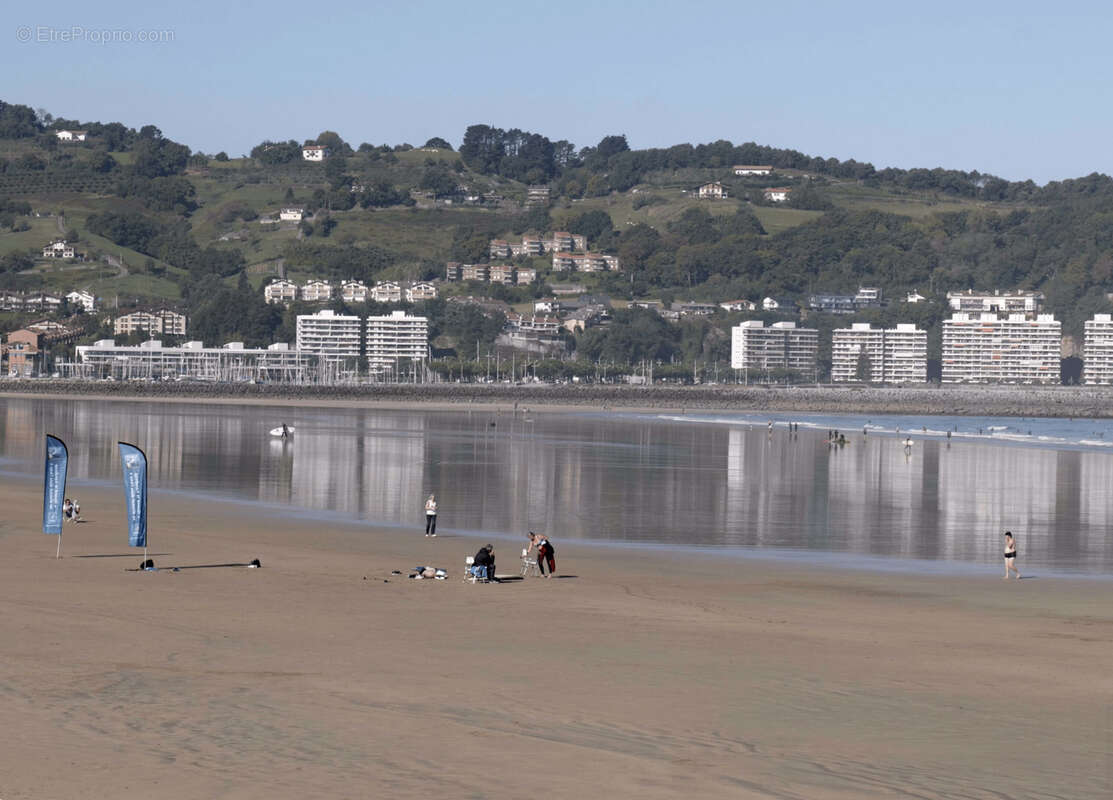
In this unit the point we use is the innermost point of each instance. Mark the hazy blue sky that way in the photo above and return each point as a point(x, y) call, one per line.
point(1018, 89)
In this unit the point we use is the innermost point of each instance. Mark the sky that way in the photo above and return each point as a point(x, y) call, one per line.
point(1017, 89)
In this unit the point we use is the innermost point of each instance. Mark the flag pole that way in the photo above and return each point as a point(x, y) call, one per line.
point(58, 552)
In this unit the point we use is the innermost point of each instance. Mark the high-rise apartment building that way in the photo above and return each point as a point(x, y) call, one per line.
point(992, 348)
point(1098, 350)
point(894, 355)
point(780, 346)
point(396, 336)
point(334, 336)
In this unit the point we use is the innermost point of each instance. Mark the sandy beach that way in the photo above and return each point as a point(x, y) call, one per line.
point(632, 675)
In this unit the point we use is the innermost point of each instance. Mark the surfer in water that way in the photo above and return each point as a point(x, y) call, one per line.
point(285, 431)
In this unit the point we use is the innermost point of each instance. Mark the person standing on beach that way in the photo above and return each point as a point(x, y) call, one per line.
point(1010, 555)
point(431, 516)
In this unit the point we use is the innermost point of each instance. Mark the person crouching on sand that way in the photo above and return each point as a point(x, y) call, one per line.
point(431, 516)
point(1010, 555)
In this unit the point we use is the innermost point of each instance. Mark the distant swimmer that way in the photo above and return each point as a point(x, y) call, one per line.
point(1010, 555)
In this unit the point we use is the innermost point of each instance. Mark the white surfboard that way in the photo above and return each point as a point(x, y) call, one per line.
point(278, 431)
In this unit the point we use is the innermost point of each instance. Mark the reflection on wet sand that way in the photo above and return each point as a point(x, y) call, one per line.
point(598, 477)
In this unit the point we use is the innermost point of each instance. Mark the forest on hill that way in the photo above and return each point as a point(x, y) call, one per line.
point(187, 225)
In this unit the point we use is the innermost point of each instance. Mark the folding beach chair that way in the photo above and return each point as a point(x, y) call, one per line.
point(529, 565)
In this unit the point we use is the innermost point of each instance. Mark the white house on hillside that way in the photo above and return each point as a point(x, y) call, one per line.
point(280, 291)
point(72, 136)
point(84, 299)
point(712, 191)
point(751, 169)
point(353, 291)
point(778, 195)
point(59, 249)
point(316, 291)
point(315, 152)
point(291, 213)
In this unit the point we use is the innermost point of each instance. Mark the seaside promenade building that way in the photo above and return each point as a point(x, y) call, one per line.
point(333, 336)
point(894, 355)
point(232, 362)
point(396, 336)
point(993, 348)
point(1097, 351)
point(780, 346)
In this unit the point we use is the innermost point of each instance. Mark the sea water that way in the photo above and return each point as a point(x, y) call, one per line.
point(760, 485)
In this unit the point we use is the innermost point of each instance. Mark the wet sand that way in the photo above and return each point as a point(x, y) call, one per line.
point(640, 675)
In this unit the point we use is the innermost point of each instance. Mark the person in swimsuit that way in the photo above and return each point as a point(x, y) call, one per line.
point(1010, 555)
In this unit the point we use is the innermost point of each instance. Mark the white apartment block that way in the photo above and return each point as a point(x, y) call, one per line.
point(333, 336)
point(353, 292)
point(972, 302)
point(780, 346)
point(991, 348)
point(394, 336)
point(280, 291)
point(316, 291)
point(1098, 351)
point(386, 292)
point(421, 291)
point(895, 355)
point(164, 322)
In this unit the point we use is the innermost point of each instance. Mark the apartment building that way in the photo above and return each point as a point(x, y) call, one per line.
point(331, 335)
point(163, 322)
point(421, 291)
point(316, 291)
point(994, 348)
point(353, 292)
point(501, 273)
point(280, 291)
point(84, 300)
point(895, 355)
point(972, 302)
point(779, 346)
point(386, 292)
point(525, 276)
point(395, 336)
point(499, 248)
point(59, 249)
point(1098, 350)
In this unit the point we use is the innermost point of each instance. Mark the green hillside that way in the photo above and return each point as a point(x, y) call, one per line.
point(160, 224)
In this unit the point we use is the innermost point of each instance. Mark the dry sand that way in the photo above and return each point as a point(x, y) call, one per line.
point(634, 675)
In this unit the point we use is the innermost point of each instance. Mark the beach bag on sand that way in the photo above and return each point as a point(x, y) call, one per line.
point(429, 572)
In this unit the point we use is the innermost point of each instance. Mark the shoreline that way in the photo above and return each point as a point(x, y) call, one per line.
point(640, 676)
point(996, 401)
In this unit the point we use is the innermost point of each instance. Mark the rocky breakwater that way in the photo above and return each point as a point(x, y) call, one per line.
point(1026, 401)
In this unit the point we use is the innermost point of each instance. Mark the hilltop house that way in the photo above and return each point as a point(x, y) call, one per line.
point(59, 249)
point(315, 152)
point(712, 191)
point(71, 136)
point(751, 169)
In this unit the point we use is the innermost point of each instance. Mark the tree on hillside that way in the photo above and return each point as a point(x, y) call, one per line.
point(438, 143)
point(332, 140)
point(274, 153)
point(18, 122)
point(591, 224)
